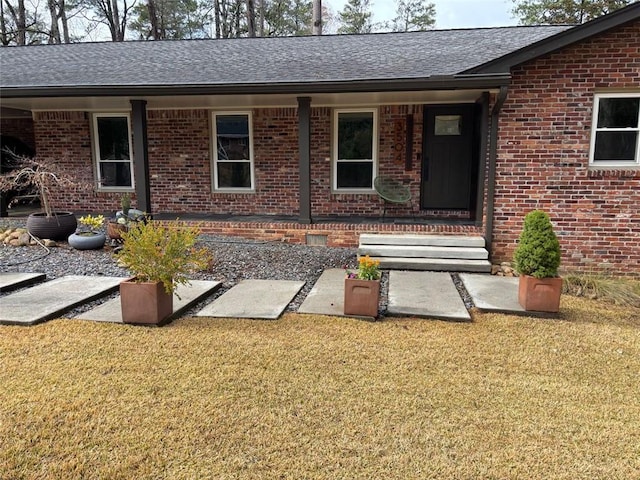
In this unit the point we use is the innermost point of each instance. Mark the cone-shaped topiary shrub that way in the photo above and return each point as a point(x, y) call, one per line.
point(538, 251)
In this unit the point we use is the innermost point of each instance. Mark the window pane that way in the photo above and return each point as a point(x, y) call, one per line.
point(355, 174)
point(234, 175)
point(115, 174)
point(233, 137)
point(618, 112)
point(448, 125)
point(113, 138)
point(616, 146)
point(355, 136)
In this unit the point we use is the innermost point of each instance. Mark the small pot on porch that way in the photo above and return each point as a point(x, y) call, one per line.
point(145, 303)
point(115, 229)
point(540, 294)
point(361, 297)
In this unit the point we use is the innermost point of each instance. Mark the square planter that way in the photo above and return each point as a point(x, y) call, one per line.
point(145, 303)
point(540, 294)
point(361, 297)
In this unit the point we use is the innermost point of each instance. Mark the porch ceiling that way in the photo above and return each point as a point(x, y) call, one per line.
point(121, 103)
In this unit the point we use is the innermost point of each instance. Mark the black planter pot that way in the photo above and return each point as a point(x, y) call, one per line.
point(56, 227)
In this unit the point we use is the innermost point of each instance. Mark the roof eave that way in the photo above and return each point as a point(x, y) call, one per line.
point(445, 82)
point(560, 40)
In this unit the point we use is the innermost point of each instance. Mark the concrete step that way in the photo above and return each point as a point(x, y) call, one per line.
point(50, 299)
point(434, 264)
point(420, 251)
point(414, 239)
point(13, 281)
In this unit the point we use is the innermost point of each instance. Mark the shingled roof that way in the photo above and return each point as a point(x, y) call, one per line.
point(251, 61)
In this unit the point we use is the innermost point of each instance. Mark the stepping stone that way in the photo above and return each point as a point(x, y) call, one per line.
point(50, 299)
point(327, 295)
point(491, 293)
point(12, 281)
point(189, 294)
point(263, 299)
point(425, 294)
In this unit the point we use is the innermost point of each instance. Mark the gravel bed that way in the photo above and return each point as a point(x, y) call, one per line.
point(235, 259)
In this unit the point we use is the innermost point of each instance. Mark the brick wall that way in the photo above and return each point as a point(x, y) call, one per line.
point(64, 137)
point(20, 128)
point(180, 165)
point(543, 156)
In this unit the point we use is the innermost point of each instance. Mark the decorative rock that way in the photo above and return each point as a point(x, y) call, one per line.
point(495, 269)
point(25, 238)
point(49, 243)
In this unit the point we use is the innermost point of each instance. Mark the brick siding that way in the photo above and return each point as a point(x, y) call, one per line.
point(543, 156)
point(20, 128)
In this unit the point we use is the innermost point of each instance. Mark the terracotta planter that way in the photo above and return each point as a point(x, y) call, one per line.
point(144, 303)
point(361, 297)
point(114, 230)
point(87, 240)
point(540, 294)
point(56, 227)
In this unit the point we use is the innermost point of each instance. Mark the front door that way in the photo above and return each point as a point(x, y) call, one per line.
point(447, 158)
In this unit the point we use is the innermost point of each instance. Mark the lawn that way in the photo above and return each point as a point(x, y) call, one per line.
point(321, 397)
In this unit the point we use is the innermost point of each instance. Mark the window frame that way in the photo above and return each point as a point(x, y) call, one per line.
point(95, 139)
point(214, 153)
point(334, 151)
point(594, 131)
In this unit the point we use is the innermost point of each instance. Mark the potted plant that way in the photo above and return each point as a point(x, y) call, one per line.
point(43, 175)
point(537, 259)
point(362, 289)
point(124, 218)
point(91, 238)
point(160, 258)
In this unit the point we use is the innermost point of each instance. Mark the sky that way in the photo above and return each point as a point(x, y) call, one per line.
point(449, 13)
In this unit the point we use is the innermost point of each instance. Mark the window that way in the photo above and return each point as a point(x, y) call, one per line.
point(233, 155)
point(355, 149)
point(112, 145)
point(615, 136)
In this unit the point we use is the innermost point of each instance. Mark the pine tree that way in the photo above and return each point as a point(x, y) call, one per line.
point(561, 12)
point(356, 17)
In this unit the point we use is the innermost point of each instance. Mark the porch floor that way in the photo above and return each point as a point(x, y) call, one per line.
point(321, 220)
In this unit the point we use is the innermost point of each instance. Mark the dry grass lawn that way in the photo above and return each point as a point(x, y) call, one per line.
point(319, 397)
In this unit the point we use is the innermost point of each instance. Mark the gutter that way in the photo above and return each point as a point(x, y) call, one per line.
point(493, 154)
point(441, 82)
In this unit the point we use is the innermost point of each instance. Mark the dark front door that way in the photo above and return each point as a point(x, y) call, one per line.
point(447, 158)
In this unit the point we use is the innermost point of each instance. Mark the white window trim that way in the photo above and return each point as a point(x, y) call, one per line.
point(334, 155)
point(594, 130)
point(214, 148)
point(96, 152)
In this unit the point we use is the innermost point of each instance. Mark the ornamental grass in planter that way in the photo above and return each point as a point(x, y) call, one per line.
point(362, 289)
point(160, 257)
point(89, 238)
point(537, 259)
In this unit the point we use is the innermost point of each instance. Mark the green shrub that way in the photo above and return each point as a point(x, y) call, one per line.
point(538, 251)
point(167, 254)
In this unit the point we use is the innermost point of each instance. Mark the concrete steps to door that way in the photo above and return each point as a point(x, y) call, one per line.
point(454, 253)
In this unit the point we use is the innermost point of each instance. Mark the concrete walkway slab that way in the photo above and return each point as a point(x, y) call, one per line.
point(12, 281)
point(491, 293)
point(189, 294)
point(425, 294)
point(260, 299)
point(50, 299)
point(327, 295)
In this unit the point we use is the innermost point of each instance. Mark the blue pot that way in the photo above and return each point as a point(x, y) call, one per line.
point(87, 240)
